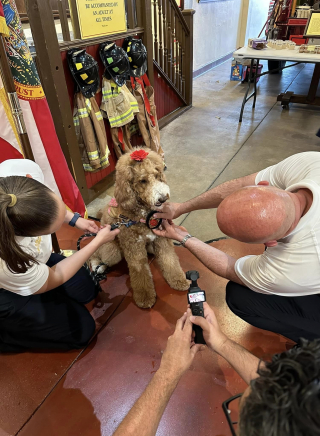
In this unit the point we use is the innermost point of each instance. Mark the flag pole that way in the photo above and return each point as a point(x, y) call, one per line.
point(14, 103)
point(18, 116)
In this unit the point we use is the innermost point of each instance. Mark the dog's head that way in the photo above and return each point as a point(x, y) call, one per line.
point(140, 183)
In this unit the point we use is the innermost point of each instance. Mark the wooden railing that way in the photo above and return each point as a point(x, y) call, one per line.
point(171, 34)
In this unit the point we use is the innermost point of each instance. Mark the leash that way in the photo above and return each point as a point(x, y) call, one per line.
point(97, 277)
point(94, 274)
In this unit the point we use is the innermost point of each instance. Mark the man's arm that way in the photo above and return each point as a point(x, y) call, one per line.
point(244, 363)
point(144, 417)
point(208, 200)
point(215, 260)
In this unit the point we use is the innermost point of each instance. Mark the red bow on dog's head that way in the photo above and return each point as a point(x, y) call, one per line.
point(139, 155)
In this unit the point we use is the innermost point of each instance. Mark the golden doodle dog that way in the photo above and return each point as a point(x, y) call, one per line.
point(139, 188)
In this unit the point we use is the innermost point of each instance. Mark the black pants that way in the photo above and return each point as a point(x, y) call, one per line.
point(56, 319)
point(293, 317)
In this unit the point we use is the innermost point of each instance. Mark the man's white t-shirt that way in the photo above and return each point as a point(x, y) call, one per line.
point(292, 268)
point(39, 248)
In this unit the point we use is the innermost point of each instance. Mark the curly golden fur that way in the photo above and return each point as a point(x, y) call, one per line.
point(139, 188)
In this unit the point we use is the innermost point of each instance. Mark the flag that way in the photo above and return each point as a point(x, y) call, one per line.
point(3, 25)
point(36, 113)
point(10, 145)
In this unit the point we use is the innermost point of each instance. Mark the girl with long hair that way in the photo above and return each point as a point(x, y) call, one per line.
point(42, 294)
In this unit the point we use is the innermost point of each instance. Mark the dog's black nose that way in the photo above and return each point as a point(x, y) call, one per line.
point(163, 199)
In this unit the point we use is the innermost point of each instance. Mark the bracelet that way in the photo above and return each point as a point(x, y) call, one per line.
point(184, 240)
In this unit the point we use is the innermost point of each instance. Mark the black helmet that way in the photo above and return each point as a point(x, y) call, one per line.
point(85, 71)
point(137, 55)
point(115, 60)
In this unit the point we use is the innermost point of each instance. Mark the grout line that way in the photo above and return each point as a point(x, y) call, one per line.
point(253, 131)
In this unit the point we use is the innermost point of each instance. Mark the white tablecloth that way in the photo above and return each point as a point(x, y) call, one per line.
point(277, 55)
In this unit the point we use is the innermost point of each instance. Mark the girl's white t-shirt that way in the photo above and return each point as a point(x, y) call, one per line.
point(292, 268)
point(39, 247)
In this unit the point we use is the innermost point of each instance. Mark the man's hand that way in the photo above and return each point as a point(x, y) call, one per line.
point(180, 350)
point(211, 331)
point(171, 231)
point(86, 226)
point(168, 211)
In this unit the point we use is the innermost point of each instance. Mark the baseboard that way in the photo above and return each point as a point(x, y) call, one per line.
point(164, 121)
point(213, 64)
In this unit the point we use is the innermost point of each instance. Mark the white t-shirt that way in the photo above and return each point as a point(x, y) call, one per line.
point(39, 247)
point(292, 268)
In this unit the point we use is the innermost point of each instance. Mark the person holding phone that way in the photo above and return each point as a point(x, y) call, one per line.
point(282, 397)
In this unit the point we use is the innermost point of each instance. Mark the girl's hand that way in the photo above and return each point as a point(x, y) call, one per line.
point(87, 226)
point(105, 234)
point(171, 231)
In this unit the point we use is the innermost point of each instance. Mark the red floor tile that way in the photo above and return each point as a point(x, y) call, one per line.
point(99, 389)
point(27, 378)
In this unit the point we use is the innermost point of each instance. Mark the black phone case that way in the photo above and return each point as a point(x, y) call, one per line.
point(197, 310)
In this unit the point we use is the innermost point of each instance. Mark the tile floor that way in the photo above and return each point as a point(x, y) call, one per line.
point(88, 392)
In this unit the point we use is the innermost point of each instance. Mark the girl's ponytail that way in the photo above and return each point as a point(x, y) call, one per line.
point(27, 208)
point(10, 252)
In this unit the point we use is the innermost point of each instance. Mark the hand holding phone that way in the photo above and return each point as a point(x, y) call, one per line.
point(196, 298)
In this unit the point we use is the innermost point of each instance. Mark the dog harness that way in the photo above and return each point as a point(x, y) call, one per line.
point(114, 212)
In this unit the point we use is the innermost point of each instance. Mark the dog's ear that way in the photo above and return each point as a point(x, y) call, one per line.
point(123, 191)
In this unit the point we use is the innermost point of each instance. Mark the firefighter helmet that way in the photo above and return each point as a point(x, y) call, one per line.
point(85, 71)
point(116, 62)
point(137, 55)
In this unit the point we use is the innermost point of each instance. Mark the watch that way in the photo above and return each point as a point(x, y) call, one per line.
point(184, 240)
point(75, 218)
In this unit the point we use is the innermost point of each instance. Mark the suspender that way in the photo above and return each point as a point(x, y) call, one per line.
point(141, 81)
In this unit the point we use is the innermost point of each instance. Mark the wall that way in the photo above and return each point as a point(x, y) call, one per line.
point(257, 16)
point(221, 27)
point(215, 30)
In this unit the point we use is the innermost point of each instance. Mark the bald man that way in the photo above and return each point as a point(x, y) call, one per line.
point(278, 290)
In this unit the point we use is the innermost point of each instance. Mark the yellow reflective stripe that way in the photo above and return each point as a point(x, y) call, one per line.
point(104, 161)
point(133, 104)
point(87, 167)
point(93, 153)
point(99, 116)
point(124, 116)
point(76, 121)
point(88, 105)
point(109, 94)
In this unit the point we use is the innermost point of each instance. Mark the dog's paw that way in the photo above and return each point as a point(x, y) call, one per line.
point(179, 285)
point(94, 264)
point(145, 299)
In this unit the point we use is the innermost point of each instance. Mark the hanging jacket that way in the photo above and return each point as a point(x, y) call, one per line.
point(147, 115)
point(118, 104)
point(91, 133)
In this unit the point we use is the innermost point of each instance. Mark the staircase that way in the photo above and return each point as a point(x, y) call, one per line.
point(171, 41)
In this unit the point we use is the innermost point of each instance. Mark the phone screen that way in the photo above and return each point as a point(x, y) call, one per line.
point(196, 297)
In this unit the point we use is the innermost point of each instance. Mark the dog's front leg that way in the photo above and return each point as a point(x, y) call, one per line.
point(169, 263)
point(140, 275)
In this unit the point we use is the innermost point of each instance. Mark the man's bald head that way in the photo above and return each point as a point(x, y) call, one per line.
point(256, 214)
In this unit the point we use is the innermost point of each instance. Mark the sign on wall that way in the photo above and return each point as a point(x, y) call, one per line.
point(100, 17)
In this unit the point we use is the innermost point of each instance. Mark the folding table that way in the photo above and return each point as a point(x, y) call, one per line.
point(280, 55)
